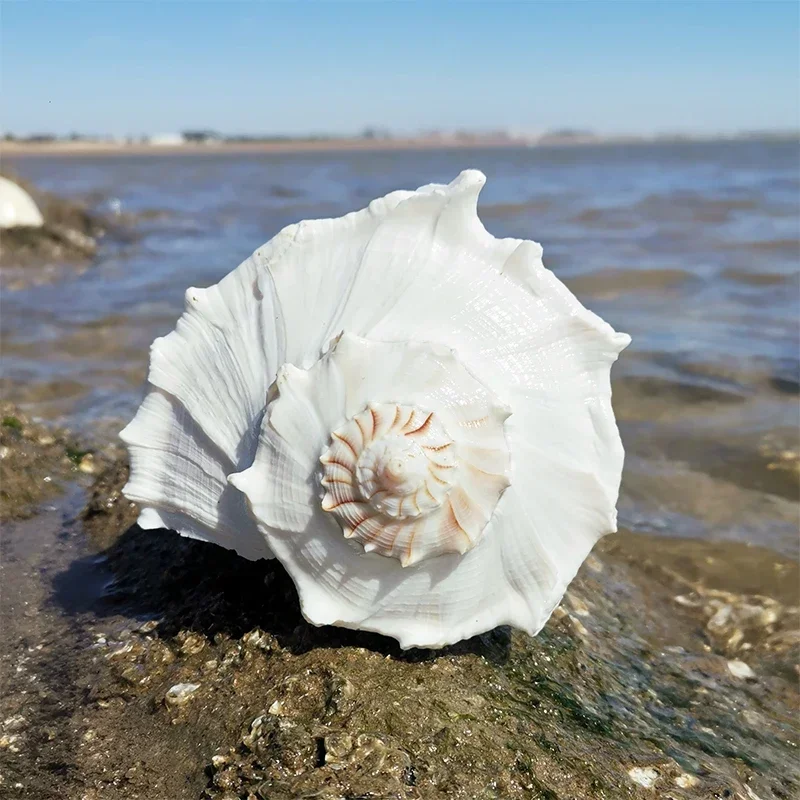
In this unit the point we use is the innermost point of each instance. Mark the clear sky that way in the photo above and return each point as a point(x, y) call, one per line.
point(299, 67)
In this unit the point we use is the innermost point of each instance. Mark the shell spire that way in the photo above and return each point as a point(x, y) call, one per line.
point(435, 456)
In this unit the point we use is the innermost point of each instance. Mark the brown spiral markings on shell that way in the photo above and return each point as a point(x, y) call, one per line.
point(392, 476)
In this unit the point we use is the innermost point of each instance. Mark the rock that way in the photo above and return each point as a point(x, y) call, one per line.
point(740, 670)
point(190, 643)
point(64, 231)
point(686, 781)
point(614, 698)
point(259, 640)
point(644, 776)
point(181, 693)
point(87, 464)
point(337, 747)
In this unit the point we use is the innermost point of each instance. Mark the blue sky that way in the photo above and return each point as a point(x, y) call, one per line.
point(298, 67)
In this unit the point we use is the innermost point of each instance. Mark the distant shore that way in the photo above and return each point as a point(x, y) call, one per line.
point(99, 148)
point(64, 148)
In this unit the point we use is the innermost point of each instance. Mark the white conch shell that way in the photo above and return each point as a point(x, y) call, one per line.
point(17, 208)
point(297, 381)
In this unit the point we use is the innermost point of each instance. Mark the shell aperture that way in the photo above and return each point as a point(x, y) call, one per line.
point(437, 452)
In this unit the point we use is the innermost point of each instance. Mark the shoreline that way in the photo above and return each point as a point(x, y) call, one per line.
point(244, 148)
point(289, 146)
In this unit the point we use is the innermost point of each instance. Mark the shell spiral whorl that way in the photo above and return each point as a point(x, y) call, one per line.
point(388, 474)
point(390, 460)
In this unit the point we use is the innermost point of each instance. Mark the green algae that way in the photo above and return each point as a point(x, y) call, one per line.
point(76, 454)
point(34, 463)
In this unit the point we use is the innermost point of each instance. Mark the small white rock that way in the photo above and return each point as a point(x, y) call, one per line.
point(686, 781)
point(644, 776)
point(740, 670)
point(148, 627)
point(87, 464)
point(120, 649)
point(181, 692)
point(14, 723)
point(276, 708)
point(578, 605)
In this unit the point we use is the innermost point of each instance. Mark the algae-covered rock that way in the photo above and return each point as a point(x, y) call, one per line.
point(626, 692)
point(69, 233)
point(35, 461)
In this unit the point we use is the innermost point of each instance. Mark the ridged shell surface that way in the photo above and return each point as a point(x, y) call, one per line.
point(413, 416)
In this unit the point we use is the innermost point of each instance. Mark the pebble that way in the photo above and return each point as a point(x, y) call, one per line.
point(87, 464)
point(644, 776)
point(180, 693)
point(191, 643)
point(134, 674)
point(686, 781)
point(578, 627)
point(594, 563)
point(276, 708)
point(257, 639)
point(14, 723)
point(120, 650)
point(337, 746)
point(740, 670)
point(148, 627)
point(578, 605)
point(256, 726)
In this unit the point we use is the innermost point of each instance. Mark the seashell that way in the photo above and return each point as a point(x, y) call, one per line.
point(413, 416)
point(17, 208)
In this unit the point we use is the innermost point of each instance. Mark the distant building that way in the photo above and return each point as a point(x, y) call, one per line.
point(202, 137)
point(166, 139)
point(567, 136)
point(376, 133)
